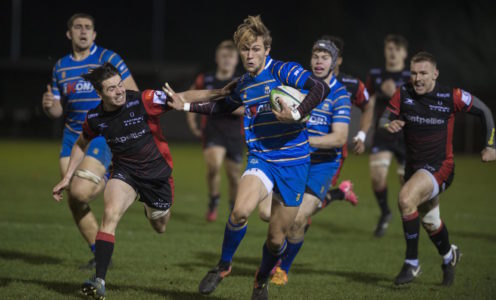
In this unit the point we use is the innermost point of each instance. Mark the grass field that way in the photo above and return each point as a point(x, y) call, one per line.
point(40, 248)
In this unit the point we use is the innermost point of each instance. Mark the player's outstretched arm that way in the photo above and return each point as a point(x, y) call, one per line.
point(51, 106)
point(484, 113)
point(336, 139)
point(390, 122)
point(77, 155)
point(365, 123)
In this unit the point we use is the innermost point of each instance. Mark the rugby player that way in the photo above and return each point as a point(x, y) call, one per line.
point(222, 141)
point(328, 132)
point(424, 111)
point(71, 96)
point(381, 84)
point(278, 158)
point(129, 121)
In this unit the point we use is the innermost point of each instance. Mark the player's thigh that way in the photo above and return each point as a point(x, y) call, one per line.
point(233, 169)
point(251, 191)
point(416, 190)
point(88, 178)
point(308, 207)
point(264, 208)
point(118, 196)
point(379, 163)
point(214, 155)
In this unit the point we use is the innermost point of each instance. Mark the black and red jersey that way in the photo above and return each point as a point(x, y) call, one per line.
point(228, 125)
point(375, 78)
point(133, 134)
point(429, 122)
point(356, 89)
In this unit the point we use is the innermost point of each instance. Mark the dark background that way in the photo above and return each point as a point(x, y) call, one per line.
point(174, 40)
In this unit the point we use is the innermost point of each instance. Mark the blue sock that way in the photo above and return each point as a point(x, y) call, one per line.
point(290, 254)
point(93, 248)
point(233, 235)
point(269, 260)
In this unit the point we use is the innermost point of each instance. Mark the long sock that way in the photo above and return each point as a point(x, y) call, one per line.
point(233, 235)
point(333, 195)
point(440, 238)
point(289, 255)
point(214, 202)
point(382, 200)
point(411, 227)
point(269, 260)
point(104, 246)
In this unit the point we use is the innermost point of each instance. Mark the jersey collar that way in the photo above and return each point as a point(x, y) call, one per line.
point(93, 49)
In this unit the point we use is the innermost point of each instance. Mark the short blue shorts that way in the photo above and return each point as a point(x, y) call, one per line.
point(320, 178)
point(97, 148)
point(288, 181)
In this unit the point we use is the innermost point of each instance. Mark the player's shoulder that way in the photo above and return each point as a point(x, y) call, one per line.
point(348, 79)
point(277, 67)
point(103, 54)
point(63, 62)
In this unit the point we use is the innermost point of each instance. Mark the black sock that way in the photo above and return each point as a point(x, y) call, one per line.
point(104, 247)
point(214, 202)
point(440, 239)
point(411, 227)
point(382, 200)
point(336, 194)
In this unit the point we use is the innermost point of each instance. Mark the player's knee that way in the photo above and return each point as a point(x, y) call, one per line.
point(432, 220)
point(298, 225)
point(405, 201)
point(80, 193)
point(78, 209)
point(213, 168)
point(239, 216)
point(160, 228)
point(276, 241)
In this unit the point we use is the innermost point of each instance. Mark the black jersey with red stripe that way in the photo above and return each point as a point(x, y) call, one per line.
point(228, 125)
point(429, 122)
point(375, 78)
point(133, 134)
point(359, 95)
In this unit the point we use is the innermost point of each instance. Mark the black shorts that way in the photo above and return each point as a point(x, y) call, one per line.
point(233, 144)
point(385, 141)
point(156, 193)
point(442, 175)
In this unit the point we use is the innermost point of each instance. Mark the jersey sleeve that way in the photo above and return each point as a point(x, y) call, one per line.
point(155, 102)
point(394, 103)
point(291, 74)
point(55, 84)
point(361, 97)
point(200, 82)
point(341, 110)
point(462, 100)
point(116, 61)
point(88, 133)
point(369, 84)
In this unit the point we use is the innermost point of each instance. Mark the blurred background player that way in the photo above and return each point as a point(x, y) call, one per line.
point(381, 84)
point(327, 133)
point(221, 135)
point(424, 111)
point(279, 156)
point(142, 163)
point(71, 96)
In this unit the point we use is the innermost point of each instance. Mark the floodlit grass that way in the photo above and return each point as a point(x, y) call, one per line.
point(41, 249)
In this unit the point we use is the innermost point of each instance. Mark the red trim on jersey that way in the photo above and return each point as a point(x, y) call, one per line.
point(394, 103)
point(458, 103)
point(107, 237)
point(446, 169)
point(360, 95)
point(153, 122)
point(369, 84)
point(87, 132)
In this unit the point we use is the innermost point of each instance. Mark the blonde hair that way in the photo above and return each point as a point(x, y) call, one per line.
point(251, 28)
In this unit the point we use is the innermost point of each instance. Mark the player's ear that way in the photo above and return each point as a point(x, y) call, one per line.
point(68, 35)
point(339, 61)
point(267, 50)
point(436, 73)
point(94, 35)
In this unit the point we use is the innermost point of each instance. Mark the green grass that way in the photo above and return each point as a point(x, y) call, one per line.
point(40, 248)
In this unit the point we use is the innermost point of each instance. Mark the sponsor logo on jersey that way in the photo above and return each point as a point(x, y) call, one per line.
point(439, 108)
point(159, 97)
point(133, 121)
point(443, 95)
point(466, 98)
point(254, 161)
point(90, 116)
point(341, 112)
point(317, 120)
point(254, 110)
point(102, 125)
point(77, 87)
point(409, 101)
point(132, 103)
point(125, 138)
point(350, 80)
point(424, 121)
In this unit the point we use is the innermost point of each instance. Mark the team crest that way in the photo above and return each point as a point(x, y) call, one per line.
point(325, 106)
point(95, 151)
point(245, 96)
point(63, 75)
point(298, 196)
point(267, 89)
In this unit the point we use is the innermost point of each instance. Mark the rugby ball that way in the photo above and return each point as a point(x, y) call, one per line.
point(291, 96)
